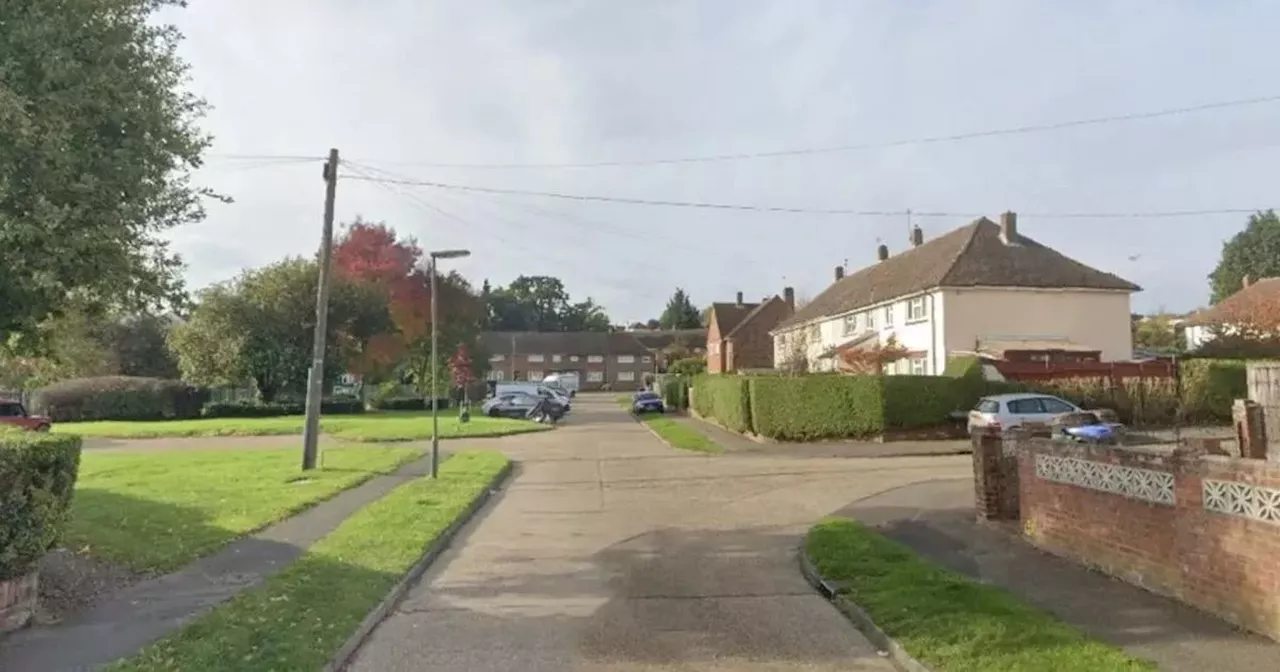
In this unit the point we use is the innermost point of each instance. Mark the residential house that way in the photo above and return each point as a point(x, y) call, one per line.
point(1261, 298)
point(982, 287)
point(666, 345)
point(616, 359)
point(738, 333)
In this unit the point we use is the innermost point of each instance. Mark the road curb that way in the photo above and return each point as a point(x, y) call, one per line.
point(441, 543)
point(860, 618)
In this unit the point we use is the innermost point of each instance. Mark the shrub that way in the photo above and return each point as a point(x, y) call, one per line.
point(1210, 386)
point(725, 398)
point(918, 401)
point(407, 404)
point(119, 398)
point(37, 477)
point(688, 366)
point(805, 408)
point(264, 409)
point(675, 392)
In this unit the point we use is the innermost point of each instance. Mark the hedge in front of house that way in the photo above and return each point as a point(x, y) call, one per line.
point(119, 398)
point(725, 398)
point(37, 476)
point(1210, 387)
point(273, 409)
point(918, 401)
point(675, 392)
point(808, 408)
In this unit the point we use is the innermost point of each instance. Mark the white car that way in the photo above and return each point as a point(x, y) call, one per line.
point(1002, 411)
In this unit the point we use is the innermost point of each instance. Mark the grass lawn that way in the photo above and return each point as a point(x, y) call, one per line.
point(945, 620)
point(299, 618)
point(157, 511)
point(379, 426)
point(680, 435)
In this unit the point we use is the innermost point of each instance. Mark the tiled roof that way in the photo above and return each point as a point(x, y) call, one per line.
point(751, 316)
point(729, 315)
point(562, 342)
point(1260, 298)
point(657, 340)
point(974, 255)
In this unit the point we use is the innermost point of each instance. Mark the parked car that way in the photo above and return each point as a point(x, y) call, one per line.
point(647, 402)
point(14, 414)
point(515, 405)
point(1003, 411)
point(525, 387)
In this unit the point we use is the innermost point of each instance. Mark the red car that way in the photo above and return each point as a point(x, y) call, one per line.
point(14, 413)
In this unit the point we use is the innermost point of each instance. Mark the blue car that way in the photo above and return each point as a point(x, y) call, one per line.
point(647, 402)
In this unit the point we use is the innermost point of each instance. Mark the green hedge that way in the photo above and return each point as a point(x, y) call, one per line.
point(675, 392)
point(37, 476)
point(725, 398)
point(918, 401)
point(689, 366)
point(260, 409)
point(119, 398)
point(1209, 387)
point(807, 408)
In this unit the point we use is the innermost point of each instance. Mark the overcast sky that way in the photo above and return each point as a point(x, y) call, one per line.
point(398, 85)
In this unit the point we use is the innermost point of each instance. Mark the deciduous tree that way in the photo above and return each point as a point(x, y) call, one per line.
point(680, 312)
point(872, 359)
point(541, 303)
point(1253, 253)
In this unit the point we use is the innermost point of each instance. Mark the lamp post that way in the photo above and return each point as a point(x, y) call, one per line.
point(435, 363)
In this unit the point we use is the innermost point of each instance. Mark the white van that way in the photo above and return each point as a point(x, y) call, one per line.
point(568, 381)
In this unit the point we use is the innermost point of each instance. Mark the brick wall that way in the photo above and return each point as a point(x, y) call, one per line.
point(995, 475)
point(715, 348)
point(753, 346)
point(1202, 528)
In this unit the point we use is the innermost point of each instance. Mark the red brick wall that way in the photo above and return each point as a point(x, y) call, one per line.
point(753, 346)
point(1228, 564)
point(715, 348)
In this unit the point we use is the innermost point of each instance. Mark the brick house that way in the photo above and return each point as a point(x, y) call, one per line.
point(667, 345)
point(738, 333)
point(614, 359)
point(1259, 298)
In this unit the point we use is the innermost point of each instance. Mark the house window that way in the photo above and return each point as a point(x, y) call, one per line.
point(888, 316)
point(495, 374)
point(715, 348)
point(850, 324)
point(534, 376)
point(595, 376)
point(626, 359)
point(646, 359)
point(626, 376)
point(815, 335)
point(557, 358)
point(918, 366)
point(871, 319)
point(573, 358)
point(916, 310)
point(496, 358)
point(537, 358)
point(595, 359)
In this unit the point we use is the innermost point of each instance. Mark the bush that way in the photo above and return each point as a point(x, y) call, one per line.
point(675, 392)
point(806, 408)
point(406, 404)
point(261, 409)
point(918, 401)
point(725, 398)
point(119, 398)
point(37, 477)
point(688, 366)
point(1209, 387)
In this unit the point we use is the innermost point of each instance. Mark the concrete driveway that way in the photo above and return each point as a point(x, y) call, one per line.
point(610, 551)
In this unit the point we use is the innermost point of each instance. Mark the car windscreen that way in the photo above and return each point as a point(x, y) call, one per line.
point(988, 406)
point(647, 396)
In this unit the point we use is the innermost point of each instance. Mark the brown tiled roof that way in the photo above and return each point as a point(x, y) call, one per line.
point(1260, 298)
point(974, 255)
point(729, 315)
point(751, 317)
point(561, 342)
point(657, 340)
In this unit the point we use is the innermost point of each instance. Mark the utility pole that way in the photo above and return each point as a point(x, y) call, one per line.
point(909, 240)
point(315, 381)
point(435, 375)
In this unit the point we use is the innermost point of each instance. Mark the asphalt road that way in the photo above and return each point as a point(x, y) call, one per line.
point(610, 551)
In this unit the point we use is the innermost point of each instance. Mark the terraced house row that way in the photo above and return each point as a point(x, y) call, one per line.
point(617, 360)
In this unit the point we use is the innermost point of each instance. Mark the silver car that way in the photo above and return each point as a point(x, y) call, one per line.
point(1002, 411)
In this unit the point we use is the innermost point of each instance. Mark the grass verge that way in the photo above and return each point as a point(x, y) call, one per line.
point(299, 618)
point(946, 621)
point(157, 511)
point(380, 426)
point(680, 435)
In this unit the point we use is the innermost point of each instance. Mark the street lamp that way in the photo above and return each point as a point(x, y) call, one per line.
point(435, 363)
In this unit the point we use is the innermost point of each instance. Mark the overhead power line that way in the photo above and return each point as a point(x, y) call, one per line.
point(793, 210)
point(935, 139)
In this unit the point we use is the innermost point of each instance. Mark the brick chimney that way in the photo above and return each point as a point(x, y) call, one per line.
point(739, 299)
point(789, 296)
point(1009, 227)
point(882, 252)
point(917, 237)
point(839, 273)
point(1245, 282)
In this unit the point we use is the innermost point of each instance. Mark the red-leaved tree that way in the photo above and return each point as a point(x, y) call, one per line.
point(460, 368)
point(871, 360)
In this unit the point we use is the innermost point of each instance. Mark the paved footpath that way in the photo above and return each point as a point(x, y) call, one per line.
point(610, 551)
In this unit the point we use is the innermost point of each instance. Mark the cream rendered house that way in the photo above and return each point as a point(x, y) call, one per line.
point(979, 288)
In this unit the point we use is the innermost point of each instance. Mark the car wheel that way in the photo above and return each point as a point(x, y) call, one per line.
point(42, 428)
point(495, 413)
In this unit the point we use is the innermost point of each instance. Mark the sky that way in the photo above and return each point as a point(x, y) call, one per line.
point(444, 91)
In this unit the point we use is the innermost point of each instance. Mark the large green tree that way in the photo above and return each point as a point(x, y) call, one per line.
point(680, 312)
point(259, 328)
point(540, 303)
point(1253, 253)
point(97, 141)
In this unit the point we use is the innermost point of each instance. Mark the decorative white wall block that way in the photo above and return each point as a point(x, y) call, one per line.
point(1242, 499)
point(1147, 485)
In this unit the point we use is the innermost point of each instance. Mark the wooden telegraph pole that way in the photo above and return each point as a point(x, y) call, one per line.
point(315, 381)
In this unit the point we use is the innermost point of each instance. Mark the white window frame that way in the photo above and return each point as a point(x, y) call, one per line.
point(850, 324)
point(888, 316)
point(646, 359)
point(626, 376)
point(556, 358)
point(534, 376)
point(919, 366)
point(595, 359)
point(595, 376)
point(497, 358)
point(871, 319)
point(537, 358)
point(495, 374)
point(815, 334)
point(626, 359)
point(917, 311)
point(573, 358)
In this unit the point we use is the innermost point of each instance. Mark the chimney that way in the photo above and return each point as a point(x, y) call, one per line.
point(739, 299)
point(1245, 282)
point(839, 273)
point(789, 295)
point(917, 236)
point(1009, 227)
point(882, 252)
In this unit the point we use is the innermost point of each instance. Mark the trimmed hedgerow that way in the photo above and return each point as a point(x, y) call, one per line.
point(119, 398)
point(917, 401)
point(808, 408)
point(725, 398)
point(37, 476)
point(675, 392)
point(262, 409)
